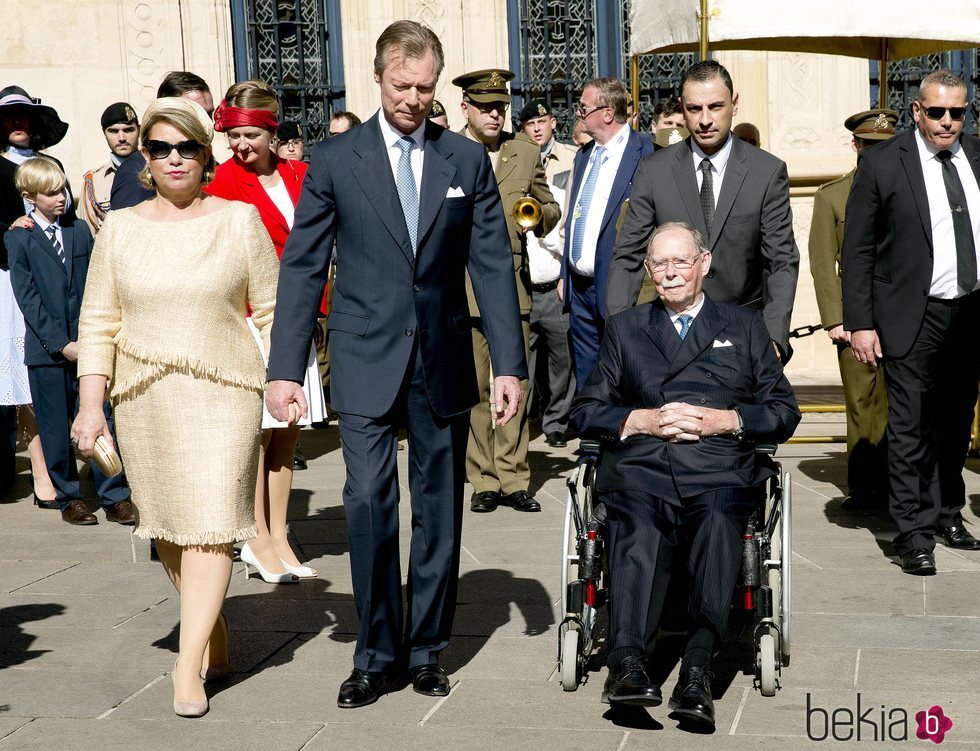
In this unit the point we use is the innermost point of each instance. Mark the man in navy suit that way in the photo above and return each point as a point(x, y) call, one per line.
point(912, 303)
point(681, 388)
point(410, 205)
point(48, 266)
point(602, 178)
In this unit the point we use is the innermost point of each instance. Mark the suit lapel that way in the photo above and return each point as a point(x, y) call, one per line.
point(662, 332)
point(735, 172)
point(67, 242)
point(255, 194)
point(913, 170)
point(373, 175)
point(972, 153)
point(687, 187)
point(437, 178)
point(699, 337)
point(623, 179)
point(45, 243)
point(506, 162)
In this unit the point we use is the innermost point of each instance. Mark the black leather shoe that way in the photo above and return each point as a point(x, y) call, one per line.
point(360, 689)
point(556, 439)
point(77, 513)
point(631, 685)
point(430, 680)
point(123, 512)
point(959, 537)
point(299, 461)
point(520, 500)
point(48, 505)
point(485, 502)
point(690, 702)
point(919, 562)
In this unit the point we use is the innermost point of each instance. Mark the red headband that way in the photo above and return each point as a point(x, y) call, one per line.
point(226, 118)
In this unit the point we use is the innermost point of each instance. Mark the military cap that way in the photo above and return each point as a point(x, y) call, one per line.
point(120, 112)
point(669, 136)
point(485, 85)
point(437, 109)
point(535, 108)
point(873, 125)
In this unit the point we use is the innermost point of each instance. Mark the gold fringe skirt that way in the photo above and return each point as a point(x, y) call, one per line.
point(190, 449)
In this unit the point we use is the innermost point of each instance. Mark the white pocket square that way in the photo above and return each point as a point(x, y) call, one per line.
point(717, 343)
point(455, 193)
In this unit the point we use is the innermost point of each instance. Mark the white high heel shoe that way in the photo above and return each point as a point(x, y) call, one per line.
point(303, 572)
point(249, 559)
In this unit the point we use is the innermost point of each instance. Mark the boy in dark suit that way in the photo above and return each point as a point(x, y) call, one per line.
point(48, 265)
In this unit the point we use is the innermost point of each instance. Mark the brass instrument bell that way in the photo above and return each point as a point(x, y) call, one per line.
point(527, 212)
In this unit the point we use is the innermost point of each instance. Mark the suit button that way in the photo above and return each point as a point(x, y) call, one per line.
point(417, 287)
point(711, 274)
point(707, 375)
point(703, 401)
point(409, 332)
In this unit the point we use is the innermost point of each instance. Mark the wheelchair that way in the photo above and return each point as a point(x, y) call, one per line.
point(764, 591)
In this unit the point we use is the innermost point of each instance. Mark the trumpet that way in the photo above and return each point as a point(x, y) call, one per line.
point(527, 212)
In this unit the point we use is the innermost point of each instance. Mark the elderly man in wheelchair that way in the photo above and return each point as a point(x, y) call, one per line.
point(682, 389)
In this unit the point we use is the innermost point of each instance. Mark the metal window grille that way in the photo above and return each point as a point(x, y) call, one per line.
point(904, 77)
point(294, 46)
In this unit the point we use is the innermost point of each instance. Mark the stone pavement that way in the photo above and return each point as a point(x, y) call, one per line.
point(88, 636)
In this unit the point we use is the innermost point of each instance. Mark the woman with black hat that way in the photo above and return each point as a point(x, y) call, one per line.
point(26, 127)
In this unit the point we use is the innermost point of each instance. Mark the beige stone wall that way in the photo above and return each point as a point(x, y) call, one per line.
point(103, 52)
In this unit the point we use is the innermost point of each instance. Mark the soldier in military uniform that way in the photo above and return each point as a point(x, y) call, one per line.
point(496, 457)
point(438, 114)
point(121, 129)
point(864, 387)
point(549, 323)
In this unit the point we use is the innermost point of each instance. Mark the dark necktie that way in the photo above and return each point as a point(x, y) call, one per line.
point(53, 237)
point(707, 194)
point(685, 321)
point(966, 251)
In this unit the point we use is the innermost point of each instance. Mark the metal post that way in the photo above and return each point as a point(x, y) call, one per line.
point(704, 30)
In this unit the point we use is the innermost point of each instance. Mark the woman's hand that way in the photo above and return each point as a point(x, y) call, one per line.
point(88, 426)
point(24, 222)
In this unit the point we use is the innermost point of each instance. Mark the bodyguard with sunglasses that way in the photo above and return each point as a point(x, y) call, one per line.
point(909, 279)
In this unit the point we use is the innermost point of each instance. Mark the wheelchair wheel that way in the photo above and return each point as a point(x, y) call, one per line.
point(570, 661)
point(578, 510)
point(786, 569)
point(766, 664)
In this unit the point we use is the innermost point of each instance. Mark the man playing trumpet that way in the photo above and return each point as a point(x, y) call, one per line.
point(496, 457)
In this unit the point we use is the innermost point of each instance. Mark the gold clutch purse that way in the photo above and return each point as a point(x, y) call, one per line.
point(106, 458)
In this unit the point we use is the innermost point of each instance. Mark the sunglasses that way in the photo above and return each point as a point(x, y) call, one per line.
point(162, 149)
point(938, 113)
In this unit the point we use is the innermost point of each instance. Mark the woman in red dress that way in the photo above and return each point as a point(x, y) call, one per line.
point(248, 115)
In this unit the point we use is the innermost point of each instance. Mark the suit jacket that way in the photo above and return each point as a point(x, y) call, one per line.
point(887, 255)
point(755, 259)
point(127, 191)
point(48, 291)
point(519, 173)
point(643, 363)
point(384, 297)
point(637, 147)
point(826, 240)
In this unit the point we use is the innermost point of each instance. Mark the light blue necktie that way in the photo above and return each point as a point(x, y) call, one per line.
point(685, 321)
point(584, 200)
point(407, 192)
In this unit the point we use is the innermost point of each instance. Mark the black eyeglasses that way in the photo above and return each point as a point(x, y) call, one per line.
point(938, 113)
point(583, 113)
point(162, 149)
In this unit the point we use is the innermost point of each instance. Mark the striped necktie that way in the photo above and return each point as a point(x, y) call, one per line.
point(584, 201)
point(52, 232)
point(685, 321)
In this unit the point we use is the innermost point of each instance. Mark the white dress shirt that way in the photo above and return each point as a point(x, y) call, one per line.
point(693, 312)
point(944, 275)
point(719, 162)
point(544, 254)
point(279, 195)
point(615, 148)
point(42, 224)
point(391, 137)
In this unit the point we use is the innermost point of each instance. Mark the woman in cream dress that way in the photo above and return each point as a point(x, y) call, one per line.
point(163, 320)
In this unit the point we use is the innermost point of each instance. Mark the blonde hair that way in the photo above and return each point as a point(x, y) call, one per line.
point(190, 119)
point(252, 95)
point(40, 176)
